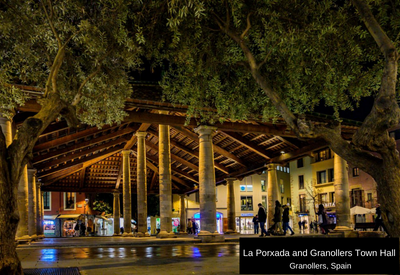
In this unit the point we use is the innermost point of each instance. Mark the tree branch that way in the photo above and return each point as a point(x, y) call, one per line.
point(243, 35)
point(78, 95)
point(51, 23)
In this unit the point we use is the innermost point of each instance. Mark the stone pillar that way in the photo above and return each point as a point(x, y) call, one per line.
point(127, 193)
point(208, 205)
point(231, 206)
point(342, 201)
point(6, 127)
point(141, 185)
point(182, 216)
point(273, 192)
point(116, 215)
point(32, 203)
point(164, 164)
point(22, 230)
point(39, 207)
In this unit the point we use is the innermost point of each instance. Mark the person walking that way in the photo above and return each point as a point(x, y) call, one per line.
point(195, 227)
point(300, 225)
point(189, 226)
point(262, 217)
point(255, 222)
point(285, 220)
point(322, 220)
point(379, 220)
point(278, 218)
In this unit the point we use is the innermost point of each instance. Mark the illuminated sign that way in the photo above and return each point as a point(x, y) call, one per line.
point(48, 222)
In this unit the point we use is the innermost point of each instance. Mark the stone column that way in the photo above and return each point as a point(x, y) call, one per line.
point(208, 205)
point(127, 193)
point(141, 185)
point(22, 230)
point(6, 127)
point(32, 203)
point(273, 192)
point(231, 206)
point(342, 201)
point(164, 164)
point(182, 216)
point(116, 215)
point(39, 206)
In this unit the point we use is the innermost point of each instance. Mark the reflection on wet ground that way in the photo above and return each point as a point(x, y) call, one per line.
point(183, 259)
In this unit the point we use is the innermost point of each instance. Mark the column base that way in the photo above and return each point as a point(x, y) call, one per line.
point(23, 239)
point(34, 237)
point(41, 236)
point(183, 233)
point(345, 232)
point(208, 237)
point(371, 234)
point(127, 234)
point(231, 232)
point(142, 235)
point(116, 235)
point(165, 234)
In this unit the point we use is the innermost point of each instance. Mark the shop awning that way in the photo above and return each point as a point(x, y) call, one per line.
point(49, 217)
point(69, 216)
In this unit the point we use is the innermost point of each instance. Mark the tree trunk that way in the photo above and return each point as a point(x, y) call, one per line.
point(9, 261)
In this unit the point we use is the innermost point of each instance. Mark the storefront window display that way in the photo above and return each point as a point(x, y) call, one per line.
point(175, 225)
point(68, 228)
point(49, 226)
point(245, 225)
point(219, 220)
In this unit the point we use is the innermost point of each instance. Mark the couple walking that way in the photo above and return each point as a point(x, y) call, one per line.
point(278, 218)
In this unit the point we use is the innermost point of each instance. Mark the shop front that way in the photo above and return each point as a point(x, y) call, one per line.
point(244, 223)
point(219, 220)
point(50, 228)
point(70, 224)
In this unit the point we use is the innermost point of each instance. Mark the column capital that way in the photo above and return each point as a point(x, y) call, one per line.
point(229, 180)
point(141, 134)
point(116, 194)
point(271, 166)
point(126, 152)
point(205, 130)
point(32, 171)
point(182, 195)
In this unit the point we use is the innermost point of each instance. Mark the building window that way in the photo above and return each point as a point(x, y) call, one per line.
point(300, 163)
point(47, 201)
point(321, 177)
point(332, 197)
point(69, 201)
point(246, 203)
point(302, 202)
point(281, 186)
point(263, 186)
point(323, 198)
point(197, 197)
point(301, 182)
point(369, 197)
point(264, 201)
point(323, 155)
point(356, 172)
point(356, 197)
point(331, 175)
point(244, 186)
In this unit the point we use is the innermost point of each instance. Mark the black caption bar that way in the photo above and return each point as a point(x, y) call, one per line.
point(319, 255)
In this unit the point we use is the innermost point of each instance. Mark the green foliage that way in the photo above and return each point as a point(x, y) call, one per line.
point(103, 203)
point(308, 51)
point(100, 48)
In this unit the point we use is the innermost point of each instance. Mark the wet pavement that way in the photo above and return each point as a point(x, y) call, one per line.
point(165, 259)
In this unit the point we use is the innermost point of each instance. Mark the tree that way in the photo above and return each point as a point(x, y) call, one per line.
point(103, 203)
point(79, 52)
point(282, 58)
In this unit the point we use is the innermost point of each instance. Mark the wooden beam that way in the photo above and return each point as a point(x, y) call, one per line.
point(174, 157)
point(270, 129)
point(60, 172)
point(80, 154)
point(78, 135)
point(287, 142)
point(153, 180)
point(82, 179)
point(119, 176)
point(284, 158)
point(69, 149)
point(51, 188)
point(143, 128)
point(194, 153)
point(54, 127)
point(216, 148)
point(247, 143)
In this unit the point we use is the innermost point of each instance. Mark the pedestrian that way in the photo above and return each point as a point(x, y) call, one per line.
point(255, 222)
point(278, 218)
point(322, 220)
point(300, 224)
point(379, 220)
point(262, 218)
point(303, 223)
point(121, 229)
point(83, 229)
point(285, 220)
point(195, 227)
point(189, 226)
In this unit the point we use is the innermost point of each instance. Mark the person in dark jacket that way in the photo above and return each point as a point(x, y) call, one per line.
point(285, 220)
point(278, 218)
point(378, 219)
point(255, 222)
point(262, 218)
point(322, 219)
